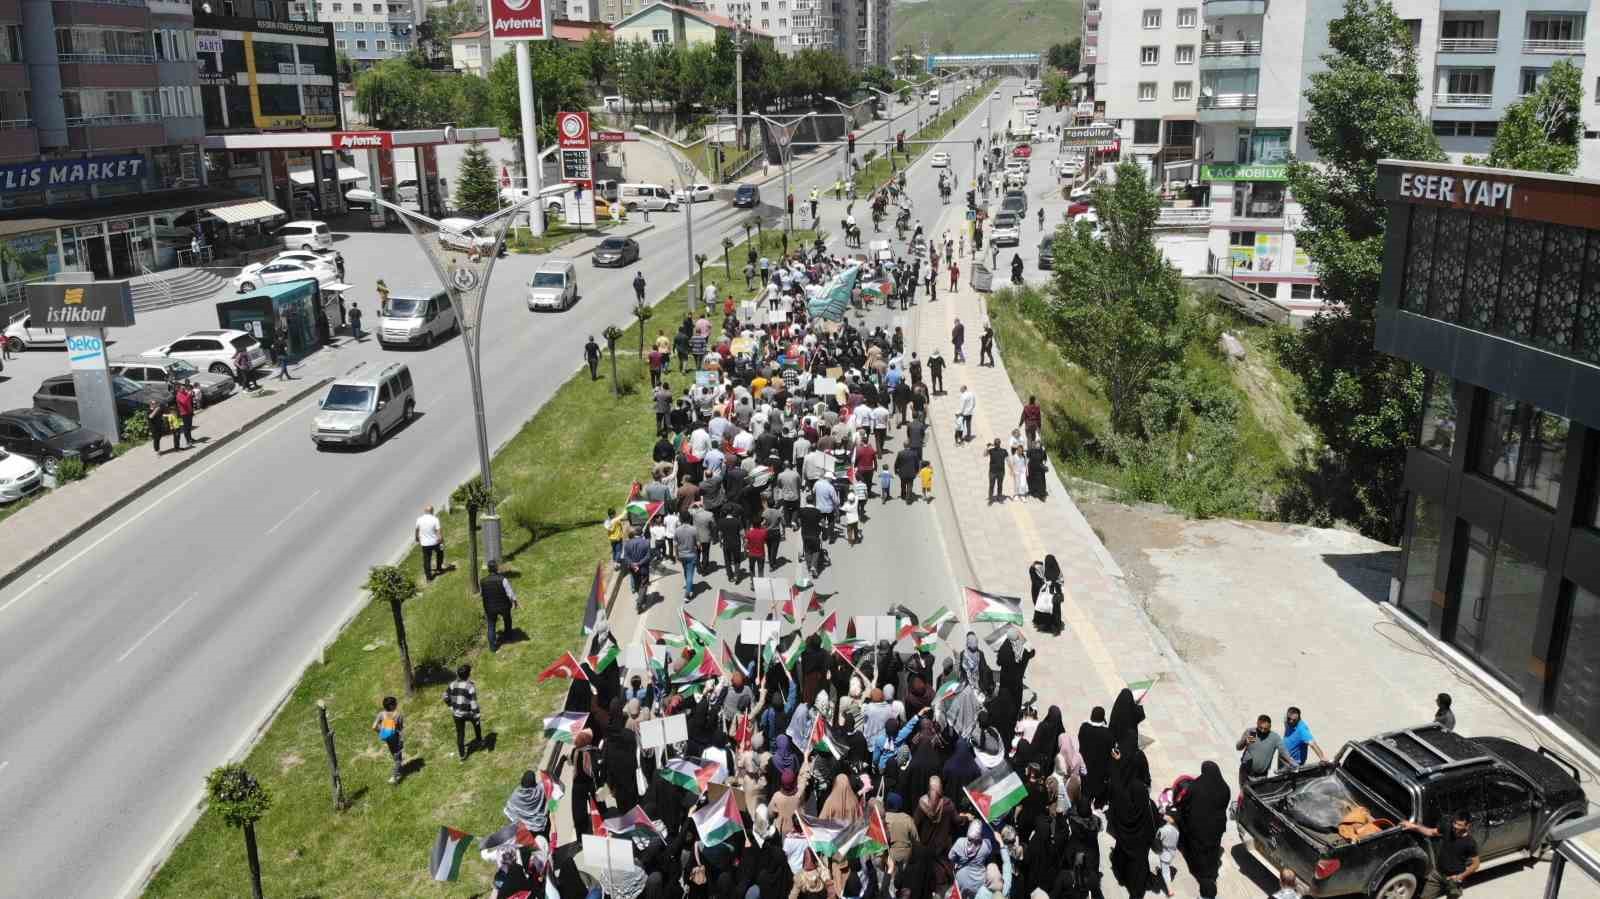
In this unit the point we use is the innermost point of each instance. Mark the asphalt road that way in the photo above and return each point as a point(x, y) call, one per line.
point(144, 654)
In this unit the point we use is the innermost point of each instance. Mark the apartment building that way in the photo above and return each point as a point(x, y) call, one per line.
point(793, 24)
point(100, 137)
point(1153, 93)
point(1089, 58)
point(367, 31)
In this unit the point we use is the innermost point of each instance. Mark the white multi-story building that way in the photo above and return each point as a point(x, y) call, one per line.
point(369, 31)
point(1252, 64)
point(793, 24)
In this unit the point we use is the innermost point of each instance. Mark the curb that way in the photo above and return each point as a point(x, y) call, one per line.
point(79, 530)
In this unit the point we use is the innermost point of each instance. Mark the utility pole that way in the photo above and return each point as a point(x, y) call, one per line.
point(530, 141)
point(738, 82)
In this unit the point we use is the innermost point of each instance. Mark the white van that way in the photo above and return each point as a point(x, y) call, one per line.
point(554, 286)
point(411, 317)
point(306, 235)
point(645, 196)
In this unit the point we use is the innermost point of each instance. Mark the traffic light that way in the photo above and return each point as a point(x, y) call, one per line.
point(852, 148)
point(972, 199)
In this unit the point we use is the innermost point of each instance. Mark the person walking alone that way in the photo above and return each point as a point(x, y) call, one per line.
point(958, 338)
point(498, 601)
point(390, 725)
point(355, 322)
point(591, 355)
point(936, 372)
point(462, 699)
point(968, 407)
point(986, 346)
point(243, 371)
point(755, 548)
point(638, 287)
point(955, 274)
point(430, 536)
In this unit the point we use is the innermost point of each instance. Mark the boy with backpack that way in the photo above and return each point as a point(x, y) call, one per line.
point(389, 726)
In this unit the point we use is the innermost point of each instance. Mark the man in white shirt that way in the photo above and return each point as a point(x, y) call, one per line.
point(700, 442)
point(711, 300)
point(430, 536)
point(969, 406)
point(880, 422)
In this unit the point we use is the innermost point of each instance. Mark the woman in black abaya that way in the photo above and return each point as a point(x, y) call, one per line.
point(1202, 819)
point(621, 751)
point(1046, 737)
point(1036, 469)
point(1047, 594)
point(1130, 818)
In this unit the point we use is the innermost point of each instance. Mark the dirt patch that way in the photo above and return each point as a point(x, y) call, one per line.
point(289, 761)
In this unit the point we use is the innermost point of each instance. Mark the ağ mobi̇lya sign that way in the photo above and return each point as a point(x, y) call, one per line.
point(47, 173)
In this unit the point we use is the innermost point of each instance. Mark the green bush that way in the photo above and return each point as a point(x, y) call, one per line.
point(70, 469)
point(136, 427)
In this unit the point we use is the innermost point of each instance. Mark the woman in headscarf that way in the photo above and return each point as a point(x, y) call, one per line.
point(813, 881)
point(842, 804)
point(902, 834)
point(968, 856)
point(799, 730)
point(526, 804)
point(935, 818)
point(962, 768)
point(962, 711)
point(583, 780)
point(1037, 460)
point(974, 667)
point(1130, 818)
point(1046, 738)
point(919, 695)
point(1047, 594)
point(1044, 863)
point(926, 760)
point(1126, 715)
point(1069, 761)
point(1003, 710)
point(785, 757)
point(1013, 660)
point(1202, 816)
point(622, 758)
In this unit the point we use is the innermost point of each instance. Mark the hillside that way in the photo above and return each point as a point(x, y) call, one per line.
point(974, 26)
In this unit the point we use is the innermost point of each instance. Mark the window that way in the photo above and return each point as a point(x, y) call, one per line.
point(1471, 81)
point(1258, 199)
point(355, 7)
point(1242, 239)
point(77, 44)
point(1147, 91)
point(1555, 28)
point(11, 44)
point(783, 23)
point(382, 45)
point(1183, 90)
point(1180, 133)
point(1523, 447)
point(320, 99)
point(338, 26)
point(1152, 18)
point(361, 45)
point(660, 36)
point(1461, 28)
point(1183, 54)
point(1531, 79)
point(1149, 56)
point(1577, 703)
point(1187, 18)
point(1305, 291)
point(1438, 415)
point(338, 7)
point(339, 44)
point(358, 26)
point(1449, 128)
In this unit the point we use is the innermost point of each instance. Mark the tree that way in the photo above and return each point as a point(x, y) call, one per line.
point(389, 584)
point(1057, 90)
point(1115, 301)
point(477, 189)
point(443, 23)
point(474, 497)
point(612, 334)
point(1540, 132)
point(1361, 402)
point(878, 77)
point(598, 59)
point(390, 94)
point(558, 84)
point(1065, 56)
point(241, 800)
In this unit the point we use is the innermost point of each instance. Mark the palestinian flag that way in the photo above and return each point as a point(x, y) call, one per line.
point(992, 607)
point(697, 632)
point(928, 641)
point(700, 666)
point(847, 650)
point(605, 658)
point(998, 638)
point(875, 839)
point(825, 631)
point(633, 819)
point(826, 838)
point(791, 656)
point(825, 739)
point(998, 791)
point(566, 666)
point(564, 727)
point(448, 850)
point(667, 637)
point(689, 774)
point(788, 609)
point(718, 821)
point(936, 622)
point(947, 690)
point(742, 731)
point(642, 511)
point(597, 824)
point(1141, 688)
point(731, 605)
point(553, 793)
point(592, 610)
point(731, 662)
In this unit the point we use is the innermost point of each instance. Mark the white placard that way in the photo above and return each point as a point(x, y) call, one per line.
point(633, 657)
point(660, 732)
point(757, 633)
point(677, 728)
point(824, 386)
point(611, 856)
point(873, 628)
point(713, 754)
point(777, 317)
point(771, 590)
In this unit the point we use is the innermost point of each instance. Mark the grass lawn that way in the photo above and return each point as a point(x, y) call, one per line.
point(556, 235)
point(877, 173)
point(559, 475)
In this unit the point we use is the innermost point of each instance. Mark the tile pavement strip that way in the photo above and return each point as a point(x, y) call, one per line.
point(1107, 642)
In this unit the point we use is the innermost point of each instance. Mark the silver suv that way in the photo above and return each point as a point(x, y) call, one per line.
point(361, 408)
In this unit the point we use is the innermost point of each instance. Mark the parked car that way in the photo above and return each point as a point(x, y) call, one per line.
point(277, 271)
point(457, 234)
point(1015, 201)
point(362, 408)
point(697, 193)
point(1022, 151)
point(305, 235)
point(747, 196)
point(553, 286)
point(21, 334)
point(48, 437)
point(616, 252)
point(939, 160)
point(19, 476)
point(412, 316)
point(1047, 259)
point(214, 350)
point(59, 394)
point(1007, 229)
point(1513, 795)
point(165, 374)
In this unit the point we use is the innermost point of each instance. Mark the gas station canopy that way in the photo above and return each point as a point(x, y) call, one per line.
point(350, 140)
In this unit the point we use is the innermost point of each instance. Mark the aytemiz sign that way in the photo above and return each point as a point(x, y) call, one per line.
point(362, 140)
point(572, 130)
point(99, 304)
point(513, 20)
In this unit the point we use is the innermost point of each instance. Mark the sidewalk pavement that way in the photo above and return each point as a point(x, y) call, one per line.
point(71, 510)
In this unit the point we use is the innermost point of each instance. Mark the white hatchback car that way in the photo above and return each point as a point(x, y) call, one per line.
point(214, 350)
point(939, 160)
point(19, 476)
point(698, 193)
point(279, 269)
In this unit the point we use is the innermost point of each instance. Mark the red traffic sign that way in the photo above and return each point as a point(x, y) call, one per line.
point(517, 20)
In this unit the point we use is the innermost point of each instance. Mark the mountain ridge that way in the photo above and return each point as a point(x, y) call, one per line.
point(977, 26)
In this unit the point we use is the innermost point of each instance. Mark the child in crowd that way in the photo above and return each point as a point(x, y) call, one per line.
point(390, 727)
point(926, 476)
point(885, 482)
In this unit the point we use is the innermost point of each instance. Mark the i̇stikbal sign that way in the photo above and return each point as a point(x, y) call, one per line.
point(518, 20)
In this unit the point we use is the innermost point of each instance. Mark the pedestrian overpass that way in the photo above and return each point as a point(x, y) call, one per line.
point(1025, 64)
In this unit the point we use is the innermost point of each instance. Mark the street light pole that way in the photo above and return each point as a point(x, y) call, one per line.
point(686, 173)
point(530, 136)
point(785, 152)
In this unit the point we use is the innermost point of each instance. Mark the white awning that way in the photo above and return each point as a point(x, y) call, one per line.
point(240, 214)
point(304, 177)
point(336, 287)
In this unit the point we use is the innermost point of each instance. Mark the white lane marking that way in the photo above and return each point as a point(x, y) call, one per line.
point(147, 509)
point(292, 512)
point(140, 641)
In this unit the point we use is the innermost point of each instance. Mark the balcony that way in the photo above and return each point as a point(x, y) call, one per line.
point(1469, 44)
point(1221, 109)
point(97, 70)
point(115, 13)
point(115, 133)
point(1230, 48)
point(1556, 48)
point(1215, 9)
point(18, 139)
point(1187, 217)
point(1463, 101)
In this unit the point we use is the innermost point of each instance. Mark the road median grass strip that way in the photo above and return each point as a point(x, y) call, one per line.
point(877, 173)
point(558, 475)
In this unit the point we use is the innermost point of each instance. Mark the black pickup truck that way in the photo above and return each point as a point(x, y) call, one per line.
point(1513, 794)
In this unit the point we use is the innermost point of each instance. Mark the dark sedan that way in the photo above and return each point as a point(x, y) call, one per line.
point(616, 252)
point(47, 438)
point(59, 394)
point(1046, 255)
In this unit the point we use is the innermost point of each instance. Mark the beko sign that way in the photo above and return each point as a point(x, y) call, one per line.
point(517, 20)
